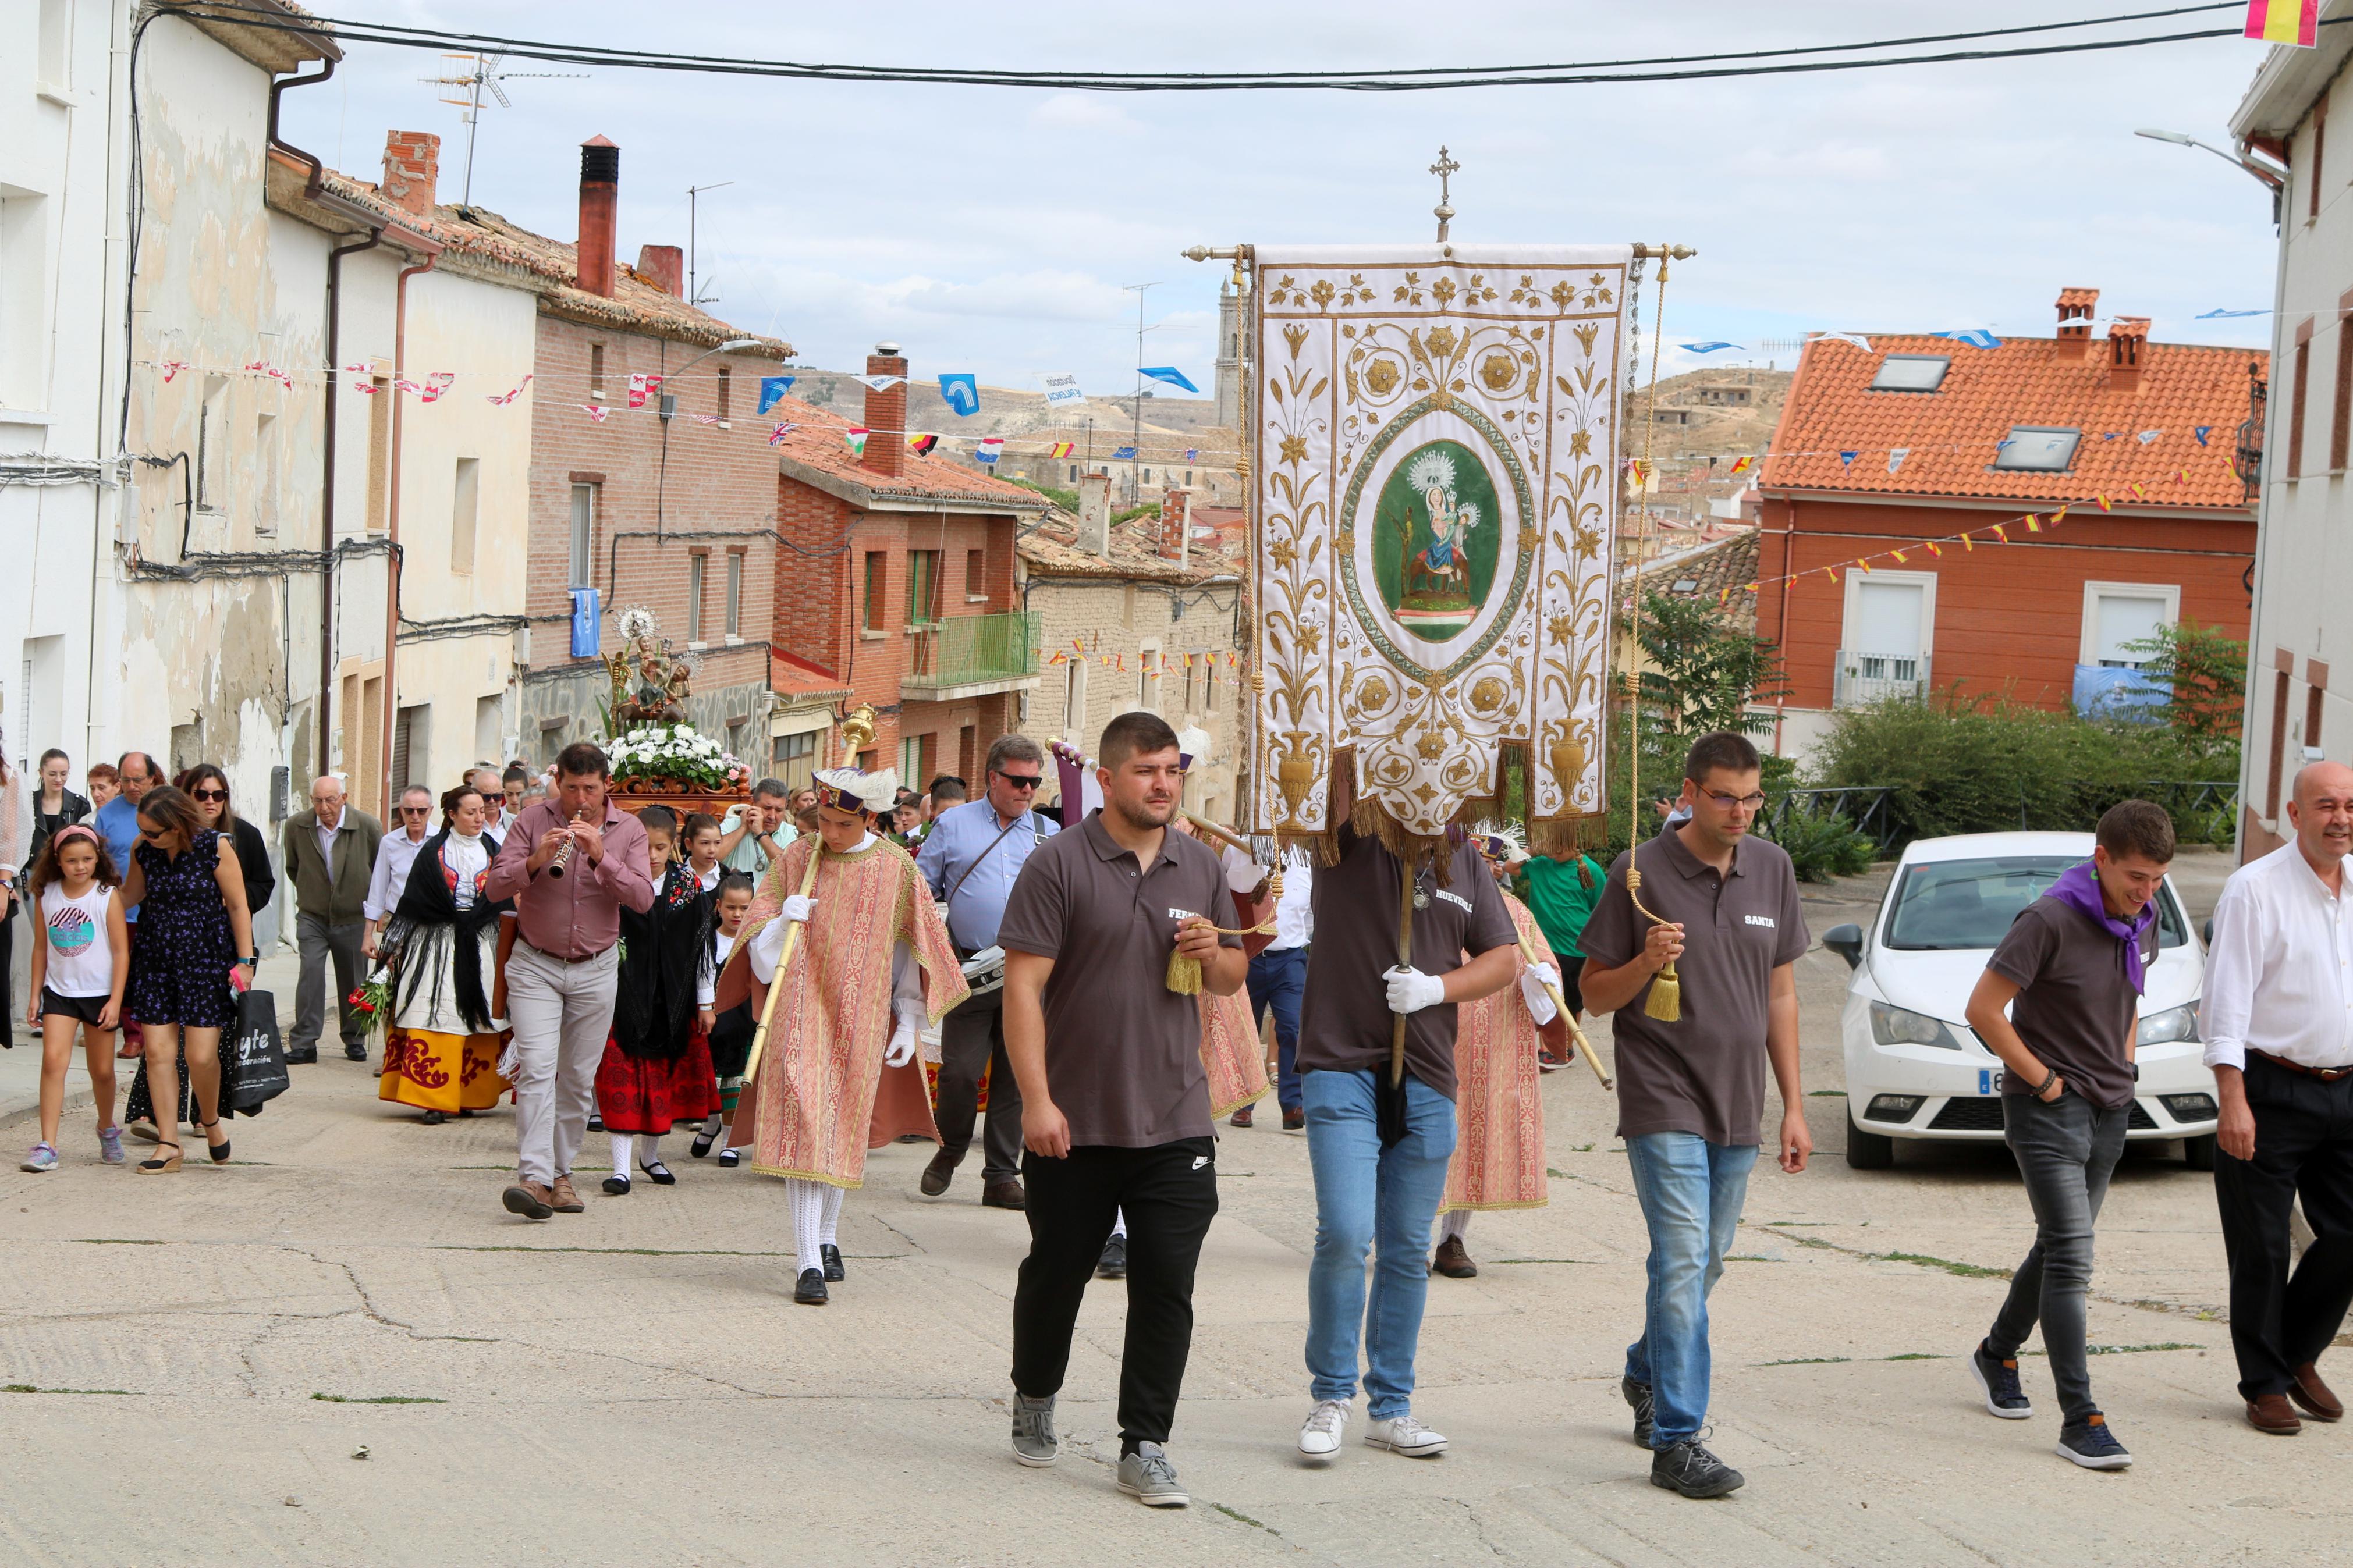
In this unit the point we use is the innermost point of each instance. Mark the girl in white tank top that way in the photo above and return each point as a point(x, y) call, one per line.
point(82, 959)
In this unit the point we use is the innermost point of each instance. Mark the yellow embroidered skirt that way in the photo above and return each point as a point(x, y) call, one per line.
point(435, 1071)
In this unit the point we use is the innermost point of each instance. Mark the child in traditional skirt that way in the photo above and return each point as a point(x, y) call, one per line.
point(731, 1037)
point(656, 1066)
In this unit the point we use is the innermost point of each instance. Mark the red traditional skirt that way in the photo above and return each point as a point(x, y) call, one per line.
point(646, 1094)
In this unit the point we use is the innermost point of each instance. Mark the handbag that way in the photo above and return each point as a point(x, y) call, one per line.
point(253, 1068)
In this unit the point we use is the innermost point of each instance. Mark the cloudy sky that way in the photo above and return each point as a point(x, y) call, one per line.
point(992, 229)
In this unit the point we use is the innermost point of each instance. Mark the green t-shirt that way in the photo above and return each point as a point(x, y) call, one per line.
point(1559, 898)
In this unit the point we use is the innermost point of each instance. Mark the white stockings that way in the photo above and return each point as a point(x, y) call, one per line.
point(817, 1220)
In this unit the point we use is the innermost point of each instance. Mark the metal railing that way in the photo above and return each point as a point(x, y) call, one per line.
point(965, 649)
point(1863, 678)
point(1866, 805)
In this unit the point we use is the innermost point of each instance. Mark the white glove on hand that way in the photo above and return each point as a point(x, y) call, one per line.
point(798, 908)
point(1410, 990)
point(902, 1046)
point(1533, 980)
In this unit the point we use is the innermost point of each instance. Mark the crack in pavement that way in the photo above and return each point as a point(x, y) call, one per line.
point(2208, 1314)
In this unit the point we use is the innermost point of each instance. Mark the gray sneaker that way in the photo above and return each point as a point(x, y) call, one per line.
point(1638, 1399)
point(1034, 1443)
point(1148, 1478)
point(1688, 1467)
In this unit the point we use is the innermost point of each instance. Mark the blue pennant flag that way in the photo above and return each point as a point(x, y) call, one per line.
point(586, 642)
point(2203, 431)
point(1976, 337)
point(2217, 315)
point(771, 387)
point(1190, 452)
point(961, 392)
point(1123, 454)
point(1846, 459)
point(1169, 374)
point(1707, 348)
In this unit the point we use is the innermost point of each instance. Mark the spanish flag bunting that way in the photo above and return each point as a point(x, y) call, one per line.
point(1720, 596)
point(2057, 515)
point(855, 438)
point(1833, 573)
point(2001, 534)
point(1900, 555)
point(2182, 477)
point(1058, 449)
point(2033, 523)
point(2136, 490)
point(1742, 465)
point(2292, 22)
point(1078, 646)
point(1935, 549)
point(1968, 545)
point(2104, 504)
point(1864, 567)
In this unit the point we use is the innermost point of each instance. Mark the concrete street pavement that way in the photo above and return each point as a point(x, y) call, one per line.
point(634, 1385)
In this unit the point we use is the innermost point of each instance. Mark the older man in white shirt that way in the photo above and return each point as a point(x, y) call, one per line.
point(2278, 1023)
point(413, 824)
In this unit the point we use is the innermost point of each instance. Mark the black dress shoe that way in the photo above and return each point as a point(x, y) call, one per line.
point(937, 1175)
point(307, 1056)
point(595, 1123)
point(433, 1119)
point(355, 1053)
point(810, 1290)
point(658, 1173)
point(1112, 1264)
point(832, 1256)
point(617, 1186)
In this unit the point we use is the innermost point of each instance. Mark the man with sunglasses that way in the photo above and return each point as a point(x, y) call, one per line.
point(971, 858)
point(330, 854)
point(1691, 1090)
point(392, 858)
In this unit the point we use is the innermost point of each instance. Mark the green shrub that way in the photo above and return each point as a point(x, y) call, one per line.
point(1821, 847)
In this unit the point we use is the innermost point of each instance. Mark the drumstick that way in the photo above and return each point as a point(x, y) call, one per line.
point(1592, 1057)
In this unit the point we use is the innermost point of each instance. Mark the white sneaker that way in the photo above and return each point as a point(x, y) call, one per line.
point(1402, 1434)
point(1319, 1435)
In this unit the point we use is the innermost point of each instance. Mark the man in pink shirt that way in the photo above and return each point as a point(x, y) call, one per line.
point(570, 863)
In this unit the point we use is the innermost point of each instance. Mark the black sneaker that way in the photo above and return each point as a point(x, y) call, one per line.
point(2092, 1445)
point(1998, 1380)
point(832, 1258)
point(1637, 1398)
point(357, 1053)
point(1688, 1467)
point(809, 1291)
point(302, 1056)
point(1112, 1264)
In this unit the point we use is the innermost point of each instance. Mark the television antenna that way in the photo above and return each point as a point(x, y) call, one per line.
point(462, 90)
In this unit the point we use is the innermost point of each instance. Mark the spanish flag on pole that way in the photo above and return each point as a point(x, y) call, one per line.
point(2295, 22)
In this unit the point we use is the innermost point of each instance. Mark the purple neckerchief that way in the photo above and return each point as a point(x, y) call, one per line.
point(2079, 888)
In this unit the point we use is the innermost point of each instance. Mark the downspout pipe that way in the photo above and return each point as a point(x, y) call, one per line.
point(327, 496)
point(318, 176)
point(392, 563)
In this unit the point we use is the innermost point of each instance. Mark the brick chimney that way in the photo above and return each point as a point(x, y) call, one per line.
point(886, 414)
point(1094, 513)
point(600, 211)
point(1175, 524)
point(2076, 308)
point(664, 267)
point(412, 165)
point(2128, 346)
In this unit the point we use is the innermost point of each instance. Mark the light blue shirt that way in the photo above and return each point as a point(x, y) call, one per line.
point(959, 837)
point(117, 822)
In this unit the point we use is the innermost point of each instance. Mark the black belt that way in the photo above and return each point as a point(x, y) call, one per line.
point(2326, 1075)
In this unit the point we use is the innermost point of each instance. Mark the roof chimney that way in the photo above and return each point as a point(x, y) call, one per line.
point(600, 204)
point(1094, 513)
point(886, 414)
point(663, 266)
point(1175, 524)
point(412, 165)
point(2076, 310)
point(2128, 345)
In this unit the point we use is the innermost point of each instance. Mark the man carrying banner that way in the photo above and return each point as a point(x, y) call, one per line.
point(838, 1073)
point(1380, 1143)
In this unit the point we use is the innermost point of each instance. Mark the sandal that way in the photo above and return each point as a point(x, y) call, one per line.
point(219, 1150)
point(164, 1165)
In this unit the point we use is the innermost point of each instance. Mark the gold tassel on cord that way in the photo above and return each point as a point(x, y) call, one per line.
point(1666, 1001)
point(1185, 973)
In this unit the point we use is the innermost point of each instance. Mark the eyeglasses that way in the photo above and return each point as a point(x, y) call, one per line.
point(1726, 801)
point(1023, 781)
point(209, 794)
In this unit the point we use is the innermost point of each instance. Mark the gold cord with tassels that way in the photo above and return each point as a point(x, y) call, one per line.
point(1666, 999)
point(1185, 973)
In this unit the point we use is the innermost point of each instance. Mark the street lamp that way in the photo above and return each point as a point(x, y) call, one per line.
point(732, 345)
point(2273, 178)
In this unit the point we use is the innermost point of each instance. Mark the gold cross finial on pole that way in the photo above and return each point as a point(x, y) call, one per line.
point(1444, 211)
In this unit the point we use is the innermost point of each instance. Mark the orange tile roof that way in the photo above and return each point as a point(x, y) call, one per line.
point(816, 448)
point(1952, 432)
point(801, 680)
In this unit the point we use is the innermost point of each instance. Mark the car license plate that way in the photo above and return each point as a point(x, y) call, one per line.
point(1989, 1080)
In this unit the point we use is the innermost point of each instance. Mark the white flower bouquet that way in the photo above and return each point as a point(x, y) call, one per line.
point(674, 756)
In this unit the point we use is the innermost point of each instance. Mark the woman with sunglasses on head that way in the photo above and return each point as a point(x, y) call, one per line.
point(208, 786)
point(185, 878)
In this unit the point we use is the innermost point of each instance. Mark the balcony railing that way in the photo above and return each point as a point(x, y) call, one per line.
point(973, 651)
point(1862, 678)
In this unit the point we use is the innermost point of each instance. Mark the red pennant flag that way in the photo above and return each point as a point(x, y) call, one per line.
point(594, 412)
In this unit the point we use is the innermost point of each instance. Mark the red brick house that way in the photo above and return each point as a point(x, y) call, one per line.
point(897, 580)
point(1924, 439)
point(671, 506)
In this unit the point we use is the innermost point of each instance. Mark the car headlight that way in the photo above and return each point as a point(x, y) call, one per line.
point(1901, 1027)
point(2173, 1024)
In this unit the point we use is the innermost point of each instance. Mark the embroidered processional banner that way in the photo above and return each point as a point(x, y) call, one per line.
point(1435, 452)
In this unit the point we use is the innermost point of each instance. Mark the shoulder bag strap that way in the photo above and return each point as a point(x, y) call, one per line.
point(976, 859)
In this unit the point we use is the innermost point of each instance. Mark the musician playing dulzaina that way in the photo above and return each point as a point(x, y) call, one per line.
point(838, 1073)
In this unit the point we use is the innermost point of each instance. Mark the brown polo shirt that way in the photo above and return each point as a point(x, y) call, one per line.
point(1703, 1073)
point(1123, 1051)
point(2075, 1007)
point(1344, 1022)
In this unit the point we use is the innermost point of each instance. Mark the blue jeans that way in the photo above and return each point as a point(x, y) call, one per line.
point(1278, 980)
point(1691, 1191)
point(1384, 1201)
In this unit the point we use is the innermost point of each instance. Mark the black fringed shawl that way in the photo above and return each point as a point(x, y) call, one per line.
point(428, 929)
point(666, 953)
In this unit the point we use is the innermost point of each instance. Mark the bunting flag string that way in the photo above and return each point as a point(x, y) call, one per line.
point(855, 439)
point(502, 398)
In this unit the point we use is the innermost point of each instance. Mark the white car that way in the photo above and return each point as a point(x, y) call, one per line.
point(1914, 1068)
